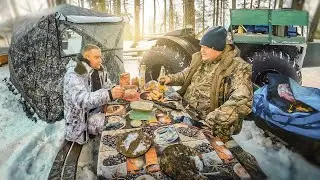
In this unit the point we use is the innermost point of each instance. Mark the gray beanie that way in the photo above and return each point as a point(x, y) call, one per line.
point(215, 38)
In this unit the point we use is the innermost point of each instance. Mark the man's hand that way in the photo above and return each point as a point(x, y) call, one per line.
point(206, 130)
point(117, 92)
point(165, 80)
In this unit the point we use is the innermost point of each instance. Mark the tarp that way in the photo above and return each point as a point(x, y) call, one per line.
point(42, 45)
point(303, 123)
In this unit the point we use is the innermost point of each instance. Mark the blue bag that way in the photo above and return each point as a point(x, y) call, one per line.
point(307, 124)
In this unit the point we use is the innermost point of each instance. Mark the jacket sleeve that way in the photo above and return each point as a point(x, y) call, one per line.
point(81, 96)
point(179, 78)
point(227, 119)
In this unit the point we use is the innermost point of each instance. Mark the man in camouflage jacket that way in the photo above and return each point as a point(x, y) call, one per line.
point(86, 89)
point(217, 84)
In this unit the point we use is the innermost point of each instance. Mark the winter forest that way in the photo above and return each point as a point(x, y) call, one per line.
point(155, 17)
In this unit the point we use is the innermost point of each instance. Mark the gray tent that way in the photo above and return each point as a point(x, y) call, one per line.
point(43, 44)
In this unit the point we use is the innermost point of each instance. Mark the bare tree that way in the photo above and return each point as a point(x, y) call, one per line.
point(117, 7)
point(214, 13)
point(142, 31)
point(224, 12)
point(251, 3)
point(102, 6)
point(244, 3)
point(217, 13)
point(234, 4)
point(258, 3)
point(221, 11)
point(203, 11)
point(189, 14)
point(136, 21)
point(165, 16)
point(297, 4)
point(126, 10)
point(269, 4)
point(171, 16)
point(58, 2)
point(314, 23)
point(49, 3)
point(275, 4)
point(14, 8)
point(154, 16)
point(280, 4)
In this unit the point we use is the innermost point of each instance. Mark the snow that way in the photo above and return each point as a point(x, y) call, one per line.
point(276, 161)
point(28, 149)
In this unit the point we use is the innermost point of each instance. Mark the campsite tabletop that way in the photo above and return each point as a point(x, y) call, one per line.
point(162, 127)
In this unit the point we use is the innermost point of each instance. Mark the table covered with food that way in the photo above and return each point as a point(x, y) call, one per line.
point(150, 134)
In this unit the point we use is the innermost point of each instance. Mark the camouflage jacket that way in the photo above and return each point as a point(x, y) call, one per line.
point(79, 100)
point(220, 89)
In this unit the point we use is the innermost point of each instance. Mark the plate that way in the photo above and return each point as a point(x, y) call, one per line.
point(145, 177)
point(165, 135)
point(136, 123)
point(114, 122)
point(133, 144)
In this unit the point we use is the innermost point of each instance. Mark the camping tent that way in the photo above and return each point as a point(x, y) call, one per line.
point(44, 43)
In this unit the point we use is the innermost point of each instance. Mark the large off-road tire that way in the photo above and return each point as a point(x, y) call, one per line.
point(272, 61)
point(173, 61)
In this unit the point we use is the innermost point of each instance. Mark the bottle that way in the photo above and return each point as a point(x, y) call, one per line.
point(142, 76)
point(161, 83)
point(162, 74)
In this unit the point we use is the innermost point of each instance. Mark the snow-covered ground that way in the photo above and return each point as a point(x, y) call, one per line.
point(27, 149)
point(276, 161)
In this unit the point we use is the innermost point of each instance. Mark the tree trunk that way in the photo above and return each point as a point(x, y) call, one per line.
point(221, 11)
point(165, 16)
point(224, 12)
point(171, 16)
point(314, 24)
point(82, 3)
point(244, 4)
point(203, 11)
point(275, 4)
point(280, 4)
point(214, 13)
point(117, 7)
point(251, 3)
point(258, 3)
point(269, 4)
point(297, 4)
point(49, 3)
point(58, 2)
point(102, 6)
point(234, 4)
point(217, 17)
point(136, 20)
point(142, 31)
point(189, 15)
point(125, 8)
point(154, 16)
point(14, 8)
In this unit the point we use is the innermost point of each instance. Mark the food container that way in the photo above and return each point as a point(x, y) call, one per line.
point(124, 79)
point(141, 105)
point(241, 172)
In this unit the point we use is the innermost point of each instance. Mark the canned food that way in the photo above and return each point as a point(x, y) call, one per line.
point(124, 79)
